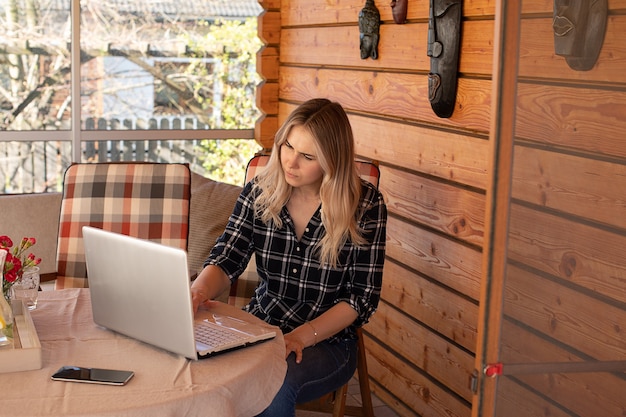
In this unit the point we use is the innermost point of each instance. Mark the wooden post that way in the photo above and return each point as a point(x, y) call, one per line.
point(501, 138)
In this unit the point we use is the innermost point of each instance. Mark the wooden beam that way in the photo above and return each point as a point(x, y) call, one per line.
point(502, 134)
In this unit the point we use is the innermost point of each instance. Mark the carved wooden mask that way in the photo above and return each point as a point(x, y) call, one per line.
point(579, 27)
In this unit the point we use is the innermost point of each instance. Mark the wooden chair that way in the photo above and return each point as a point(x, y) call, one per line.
point(242, 290)
point(144, 200)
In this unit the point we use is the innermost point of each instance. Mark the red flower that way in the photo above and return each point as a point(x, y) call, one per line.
point(5, 242)
point(16, 262)
point(12, 268)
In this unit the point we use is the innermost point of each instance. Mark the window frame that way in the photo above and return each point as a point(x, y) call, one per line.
point(76, 136)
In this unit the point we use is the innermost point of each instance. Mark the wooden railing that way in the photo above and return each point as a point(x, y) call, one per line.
point(38, 166)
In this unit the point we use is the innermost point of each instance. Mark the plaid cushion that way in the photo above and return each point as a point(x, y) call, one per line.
point(368, 170)
point(255, 166)
point(144, 200)
point(242, 290)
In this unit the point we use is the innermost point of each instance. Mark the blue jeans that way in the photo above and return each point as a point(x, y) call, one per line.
point(325, 367)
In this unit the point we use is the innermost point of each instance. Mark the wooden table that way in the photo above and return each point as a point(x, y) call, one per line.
point(238, 383)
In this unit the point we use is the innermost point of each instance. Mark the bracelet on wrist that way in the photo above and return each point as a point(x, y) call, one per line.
point(314, 332)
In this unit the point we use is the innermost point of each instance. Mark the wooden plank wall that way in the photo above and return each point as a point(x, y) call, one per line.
point(566, 293)
point(565, 297)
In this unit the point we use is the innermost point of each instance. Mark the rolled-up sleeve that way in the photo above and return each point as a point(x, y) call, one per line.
point(366, 271)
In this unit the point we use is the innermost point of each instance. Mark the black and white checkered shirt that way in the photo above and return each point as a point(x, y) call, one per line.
point(293, 287)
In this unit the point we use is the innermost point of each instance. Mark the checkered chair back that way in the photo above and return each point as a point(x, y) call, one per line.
point(242, 290)
point(368, 170)
point(144, 200)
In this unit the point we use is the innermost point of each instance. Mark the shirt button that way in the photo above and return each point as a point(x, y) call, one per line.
point(297, 248)
point(294, 270)
point(306, 230)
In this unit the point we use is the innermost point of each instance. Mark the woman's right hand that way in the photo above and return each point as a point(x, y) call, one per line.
point(199, 296)
point(210, 283)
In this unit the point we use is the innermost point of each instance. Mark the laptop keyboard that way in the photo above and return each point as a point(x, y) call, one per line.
point(212, 334)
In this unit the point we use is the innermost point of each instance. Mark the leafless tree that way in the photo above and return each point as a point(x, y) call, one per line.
point(35, 66)
point(36, 39)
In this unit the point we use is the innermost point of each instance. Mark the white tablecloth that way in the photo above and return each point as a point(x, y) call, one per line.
point(238, 383)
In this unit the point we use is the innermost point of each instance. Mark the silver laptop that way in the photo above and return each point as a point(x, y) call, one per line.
point(141, 289)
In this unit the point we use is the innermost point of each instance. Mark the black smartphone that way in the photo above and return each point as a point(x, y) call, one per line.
point(92, 375)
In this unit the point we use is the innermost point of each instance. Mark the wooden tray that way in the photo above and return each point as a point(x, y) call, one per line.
point(26, 353)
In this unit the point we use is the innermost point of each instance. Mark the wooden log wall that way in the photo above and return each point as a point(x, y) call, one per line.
point(566, 280)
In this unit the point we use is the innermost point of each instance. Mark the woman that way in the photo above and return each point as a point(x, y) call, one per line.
point(318, 234)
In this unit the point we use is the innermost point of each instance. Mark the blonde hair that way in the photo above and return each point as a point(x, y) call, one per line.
point(340, 191)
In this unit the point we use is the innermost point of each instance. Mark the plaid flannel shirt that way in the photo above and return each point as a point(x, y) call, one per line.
point(294, 287)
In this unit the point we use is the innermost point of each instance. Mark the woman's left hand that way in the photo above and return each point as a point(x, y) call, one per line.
point(332, 321)
point(294, 344)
